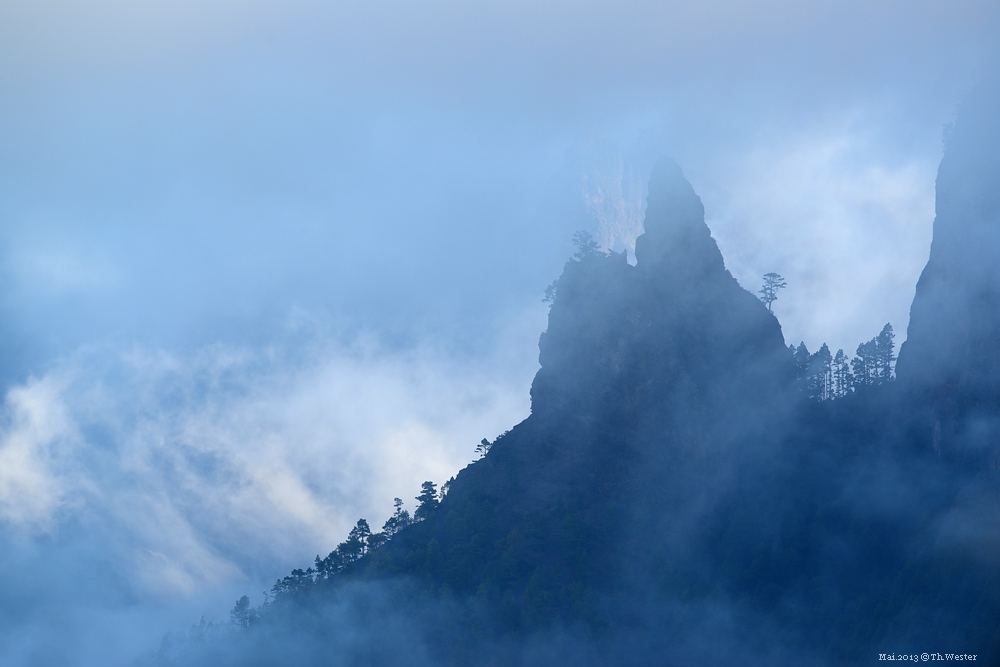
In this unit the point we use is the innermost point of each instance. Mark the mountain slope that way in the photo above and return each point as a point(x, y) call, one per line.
point(675, 496)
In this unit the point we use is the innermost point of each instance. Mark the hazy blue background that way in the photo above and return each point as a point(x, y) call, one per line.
point(264, 266)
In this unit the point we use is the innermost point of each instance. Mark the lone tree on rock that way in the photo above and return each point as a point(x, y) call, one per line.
point(769, 292)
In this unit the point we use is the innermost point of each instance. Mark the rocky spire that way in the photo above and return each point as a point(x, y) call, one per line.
point(675, 231)
point(676, 327)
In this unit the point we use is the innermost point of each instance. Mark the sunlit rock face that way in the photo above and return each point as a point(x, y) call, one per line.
point(952, 351)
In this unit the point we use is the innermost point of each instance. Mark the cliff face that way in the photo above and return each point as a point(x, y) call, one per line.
point(656, 380)
point(952, 352)
point(658, 384)
point(673, 486)
point(671, 471)
point(674, 498)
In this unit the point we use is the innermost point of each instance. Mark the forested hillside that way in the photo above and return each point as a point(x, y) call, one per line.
point(689, 489)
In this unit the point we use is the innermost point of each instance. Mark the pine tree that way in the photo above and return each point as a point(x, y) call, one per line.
point(428, 501)
point(445, 488)
point(874, 361)
point(801, 356)
point(865, 364)
point(842, 378)
point(241, 613)
point(884, 355)
point(586, 246)
point(819, 374)
point(483, 448)
point(769, 292)
point(399, 520)
point(359, 535)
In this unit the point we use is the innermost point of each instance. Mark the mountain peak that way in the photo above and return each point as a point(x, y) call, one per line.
point(677, 318)
point(676, 235)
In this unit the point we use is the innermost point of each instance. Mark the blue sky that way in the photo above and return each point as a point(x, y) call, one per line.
point(264, 266)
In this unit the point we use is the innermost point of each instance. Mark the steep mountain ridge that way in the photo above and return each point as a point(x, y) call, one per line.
point(657, 382)
point(672, 466)
point(667, 326)
point(676, 497)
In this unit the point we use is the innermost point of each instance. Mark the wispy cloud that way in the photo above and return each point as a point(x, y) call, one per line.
point(845, 222)
point(228, 466)
point(37, 432)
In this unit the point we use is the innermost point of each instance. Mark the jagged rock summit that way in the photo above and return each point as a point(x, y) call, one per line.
point(675, 329)
point(675, 234)
point(675, 498)
point(672, 462)
point(655, 379)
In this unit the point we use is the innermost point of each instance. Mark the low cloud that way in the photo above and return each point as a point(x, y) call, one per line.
point(846, 224)
point(36, 433)
point(202, 474)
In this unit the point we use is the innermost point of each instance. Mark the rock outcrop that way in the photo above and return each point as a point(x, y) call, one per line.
point(676, 498)
point(676, 330)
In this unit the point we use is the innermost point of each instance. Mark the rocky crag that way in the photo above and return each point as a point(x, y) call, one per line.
point(676, 497)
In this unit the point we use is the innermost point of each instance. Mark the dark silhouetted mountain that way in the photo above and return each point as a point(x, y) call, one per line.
point(678, 495)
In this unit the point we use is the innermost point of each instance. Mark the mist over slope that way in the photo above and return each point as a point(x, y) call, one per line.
point(680, 494)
